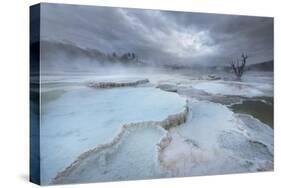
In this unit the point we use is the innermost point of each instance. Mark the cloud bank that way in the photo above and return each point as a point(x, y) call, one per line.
point(160, 37)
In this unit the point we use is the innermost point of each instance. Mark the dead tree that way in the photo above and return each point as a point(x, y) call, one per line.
point(238, 67)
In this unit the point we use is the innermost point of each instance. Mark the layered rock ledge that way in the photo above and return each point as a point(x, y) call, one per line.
point(110, 84)
point(85, 118)
point(74, 168)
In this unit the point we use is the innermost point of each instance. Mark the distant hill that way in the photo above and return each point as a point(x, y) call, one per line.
point(264, 66)
point(72, 51)
point(64, 56)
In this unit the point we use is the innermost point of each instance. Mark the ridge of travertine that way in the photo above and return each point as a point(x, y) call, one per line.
point(166, 124)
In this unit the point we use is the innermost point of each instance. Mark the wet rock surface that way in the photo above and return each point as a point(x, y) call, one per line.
point(111, 84)
point(168, 87)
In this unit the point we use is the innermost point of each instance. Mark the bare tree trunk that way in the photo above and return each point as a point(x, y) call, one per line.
point(238, 67)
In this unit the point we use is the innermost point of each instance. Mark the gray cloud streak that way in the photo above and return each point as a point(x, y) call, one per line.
point(160, 37)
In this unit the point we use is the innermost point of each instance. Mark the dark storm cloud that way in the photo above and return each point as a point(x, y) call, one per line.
point(161, 37)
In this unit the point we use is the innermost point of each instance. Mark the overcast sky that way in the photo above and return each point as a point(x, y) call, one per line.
point(161, 37)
